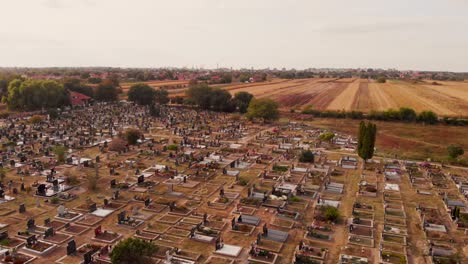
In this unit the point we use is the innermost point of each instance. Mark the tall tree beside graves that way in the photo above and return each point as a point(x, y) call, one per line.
point(132, 135)
point(35, 95)
point(242, 101)
point(133, 250)
point(265, 109)
point(106, 91)
point(220, 100)
point(366, 140)
point(2, 174)
point(60, 152)
point(141, 94)
point(161, 96)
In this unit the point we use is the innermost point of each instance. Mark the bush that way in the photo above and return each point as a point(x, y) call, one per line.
point(54, 200)
point(132, 135)
point(327, 136)
point(133, 250)
point(330, 213)
point(242, 181)
point(455, 151)
point(35, 119)
point(381, 79)
point(172, 147)
point(307, 156)
point(60, 152)
point(117, 144)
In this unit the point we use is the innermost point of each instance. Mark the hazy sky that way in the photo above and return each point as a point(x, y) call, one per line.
point(403, 34)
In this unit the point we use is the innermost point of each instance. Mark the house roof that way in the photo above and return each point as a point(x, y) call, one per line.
point(78, 98)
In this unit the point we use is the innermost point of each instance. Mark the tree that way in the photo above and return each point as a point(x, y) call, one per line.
point(35, 119)
point(428, 117)
point(242, 101)
point(407, 114)
point(455, 151)
point(177, 100)
point(330, 213)
point(2, 174)
point(132, 135)
point(265, 109)
point(366, 140)
point(76, 85)
point(60, 152)
point(220, 100)
point(161, 96)
point(381, 79)
point(133, 250)
point(199, 94)
point(141, 94)
point(35, 95)
point(106, 91)
point(307, 156)
point(327, 136)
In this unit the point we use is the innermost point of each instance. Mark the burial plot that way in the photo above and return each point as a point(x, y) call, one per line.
point(56, 238)
point(258, 255)
point(37, 247)
point(126, 221)
point(275, 235)
point(305, 253)
point(241, 228)
point(147, 236)
point(73, 229)
point(10, 242)
point(105, 236)
point(64, 214)
point(181, 210)
point(227, 250)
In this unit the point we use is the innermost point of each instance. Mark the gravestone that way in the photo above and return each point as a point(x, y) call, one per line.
point(31, 240)
point(61, 210)
point(141, 179)
point(147, 202)
point(88, 257)
point(106, 202)
point(113, 183)
point(31, 223)
point(49, 232)
point(47, 222)
point(116, 194)
point(3, 235)
point(71, 247)
point(41, 190)
point(121, 217)
point(22, 208)
point(92, 207)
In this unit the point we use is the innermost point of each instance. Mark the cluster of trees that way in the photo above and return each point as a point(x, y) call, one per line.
point(144, 94)
point(455, 151)
point(366, 140)
point(265, 109)
point(76, 85)
point(216, 99)
point(133, 250)
point(35, 94)
point(107, 90)
point(404, 114)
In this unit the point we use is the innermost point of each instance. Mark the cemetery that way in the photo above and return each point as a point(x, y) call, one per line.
point(207, 187)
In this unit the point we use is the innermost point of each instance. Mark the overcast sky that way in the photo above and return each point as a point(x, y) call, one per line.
point(403, 34)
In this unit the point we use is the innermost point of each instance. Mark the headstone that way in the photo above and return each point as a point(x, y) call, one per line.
point(88, 257)
point(49, 232)
point(71, 247)
point(22, 208)
point(113, 183)
point(147, 202)
point(92, 207)
point(47, 222)
point(141, 179)
point(61, 210)
point(31, 240)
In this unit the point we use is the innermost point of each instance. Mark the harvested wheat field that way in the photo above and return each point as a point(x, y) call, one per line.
point(158, 84)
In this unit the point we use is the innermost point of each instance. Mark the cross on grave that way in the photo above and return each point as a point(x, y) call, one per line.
point(71, 247)
point(22, 208)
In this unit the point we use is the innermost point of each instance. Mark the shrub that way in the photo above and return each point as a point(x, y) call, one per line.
point(132, 135)
point(172, 147)
point(117, 144)
point(307, 156)
point(330, 213)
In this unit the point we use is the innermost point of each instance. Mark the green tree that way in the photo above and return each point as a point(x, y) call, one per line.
point(381, 79)
point(366, 140)
point(60, 153)
point(162, 96)
point(141, 94)
point(220, 100)
point(242, 101)
point(35, 94)
point(199, 94)
point(455, 151)
point(307, 156)
point(330, 213)
point(106, 91)
point(133, 250)
point(428, 117)
point(407, 114)
point(76, 85)
point(265, 109)
point(132, 135)
point(327, 136)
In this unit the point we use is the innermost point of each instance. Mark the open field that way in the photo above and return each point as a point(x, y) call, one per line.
point(445, 98)
point(158, 84)
point(413, 141)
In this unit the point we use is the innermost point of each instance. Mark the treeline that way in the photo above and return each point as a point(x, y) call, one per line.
point(403, 114)
point(30, 95)
point(215, 99)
